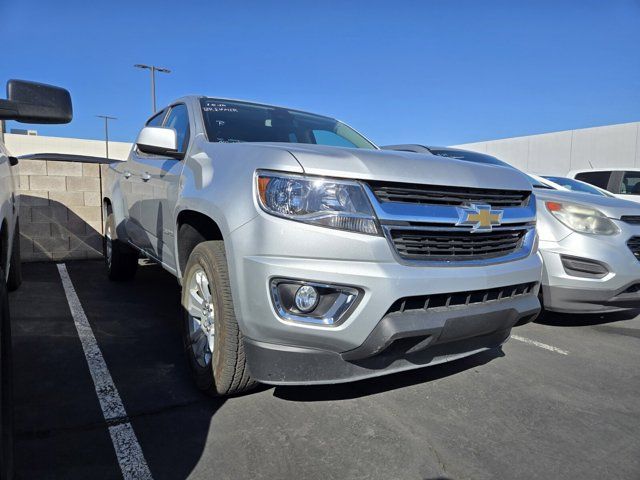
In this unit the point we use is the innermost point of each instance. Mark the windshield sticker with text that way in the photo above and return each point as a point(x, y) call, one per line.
point(218, 107)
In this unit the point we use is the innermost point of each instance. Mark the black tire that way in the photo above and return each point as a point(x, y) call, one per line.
point(226, 372)
point(6, 386)
point(15, 265)
point(120, 259)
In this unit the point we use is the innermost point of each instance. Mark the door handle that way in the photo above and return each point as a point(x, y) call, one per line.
point(146, 177)
point(126, 174)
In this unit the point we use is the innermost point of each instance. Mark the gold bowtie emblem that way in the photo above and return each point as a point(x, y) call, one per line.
point(480, 217)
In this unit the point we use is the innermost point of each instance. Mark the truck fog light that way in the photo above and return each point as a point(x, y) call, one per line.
point(306, 298)
point(310, 302)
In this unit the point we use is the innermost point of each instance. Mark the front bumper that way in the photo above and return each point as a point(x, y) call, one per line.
point(572, 300)
point(617, 290)
point(399, 342)
point(371, 341)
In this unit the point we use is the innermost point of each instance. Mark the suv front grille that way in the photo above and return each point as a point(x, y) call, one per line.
point(433, 245)
point(634, 245)
point(631, 219)
point(458, 299)
point(446, 195)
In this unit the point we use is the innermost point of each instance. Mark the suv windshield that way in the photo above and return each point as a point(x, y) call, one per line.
point(468, 156)
point(575, 185)
point(233, 122)
point(476, 157)
point(535, 183)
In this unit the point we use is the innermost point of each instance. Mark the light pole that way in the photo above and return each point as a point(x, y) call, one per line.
point(153, 69)
point(106, 130)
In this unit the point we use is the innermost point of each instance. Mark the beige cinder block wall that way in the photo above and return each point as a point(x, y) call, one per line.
point(60, 212)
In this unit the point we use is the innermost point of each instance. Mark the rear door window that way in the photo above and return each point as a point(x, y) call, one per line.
point(630, 183)
point(599, 179)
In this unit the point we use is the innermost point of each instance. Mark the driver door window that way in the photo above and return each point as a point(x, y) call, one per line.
point(178, 119)
point(156, 121)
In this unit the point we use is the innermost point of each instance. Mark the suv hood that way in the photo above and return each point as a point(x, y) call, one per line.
point(611, 207)
point(404, 167)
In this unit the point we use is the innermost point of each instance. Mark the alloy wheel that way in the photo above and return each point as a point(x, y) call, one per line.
point(201, 311)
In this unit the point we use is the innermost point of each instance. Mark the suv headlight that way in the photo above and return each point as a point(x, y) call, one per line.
point(582, 219)
point(341, 204)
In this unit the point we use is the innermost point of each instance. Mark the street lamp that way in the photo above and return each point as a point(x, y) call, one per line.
point(153, 70)
point(106, 130)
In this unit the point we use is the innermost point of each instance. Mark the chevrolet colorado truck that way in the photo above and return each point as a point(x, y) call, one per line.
point(307, 255)
point(27, 102)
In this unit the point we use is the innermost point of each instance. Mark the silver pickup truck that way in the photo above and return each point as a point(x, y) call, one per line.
point(307, 255)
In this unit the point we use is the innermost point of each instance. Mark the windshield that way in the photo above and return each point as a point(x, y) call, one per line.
point(234, 122)
point(482, 158)
point(575, 185)
point(538, 184)
point(468, 156)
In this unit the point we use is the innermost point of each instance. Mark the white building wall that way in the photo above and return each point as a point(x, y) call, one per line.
point(559, 152)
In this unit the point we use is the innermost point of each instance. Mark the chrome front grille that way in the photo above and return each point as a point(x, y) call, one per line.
point(455, 244)
point(447, 195)
point(431, 225)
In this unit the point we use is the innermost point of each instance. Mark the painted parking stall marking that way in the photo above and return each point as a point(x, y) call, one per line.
point(128, 450)
point(535, 343)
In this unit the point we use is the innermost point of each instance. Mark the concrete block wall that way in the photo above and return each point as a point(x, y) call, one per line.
point(60, 210)
point(60, 213)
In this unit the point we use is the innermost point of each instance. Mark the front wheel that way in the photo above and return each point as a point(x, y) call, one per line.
point(213, 342)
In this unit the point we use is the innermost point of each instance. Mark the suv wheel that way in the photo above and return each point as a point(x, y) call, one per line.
point(15, 266)
point(6, 394)
point(121, 260)
point(213, 342)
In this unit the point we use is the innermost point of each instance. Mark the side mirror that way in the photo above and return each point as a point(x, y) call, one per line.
point(158, 141)
point(31, 102)
point(13, 161)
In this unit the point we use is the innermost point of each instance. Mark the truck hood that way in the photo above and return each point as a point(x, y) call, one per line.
point(401, 167)
point(611, 207)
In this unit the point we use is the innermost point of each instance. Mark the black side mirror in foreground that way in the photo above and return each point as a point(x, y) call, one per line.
point(31, 102)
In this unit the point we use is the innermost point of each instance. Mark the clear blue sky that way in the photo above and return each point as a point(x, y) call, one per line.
point(432, 71)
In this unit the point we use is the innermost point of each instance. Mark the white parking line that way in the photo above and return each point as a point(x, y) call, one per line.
point(535, 343)
point(128, 451)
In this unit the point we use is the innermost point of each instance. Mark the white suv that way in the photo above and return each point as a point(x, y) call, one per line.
point(622, 182)
point(27, 102)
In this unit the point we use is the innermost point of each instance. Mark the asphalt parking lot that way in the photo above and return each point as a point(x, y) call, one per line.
point(560, 400)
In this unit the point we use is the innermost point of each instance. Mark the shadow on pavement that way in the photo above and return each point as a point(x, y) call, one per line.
point(60, 429)
point(363, 388)
point(554, 319)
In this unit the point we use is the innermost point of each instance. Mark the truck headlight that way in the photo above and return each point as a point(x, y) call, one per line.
point(341, 204)
point(581, 218)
